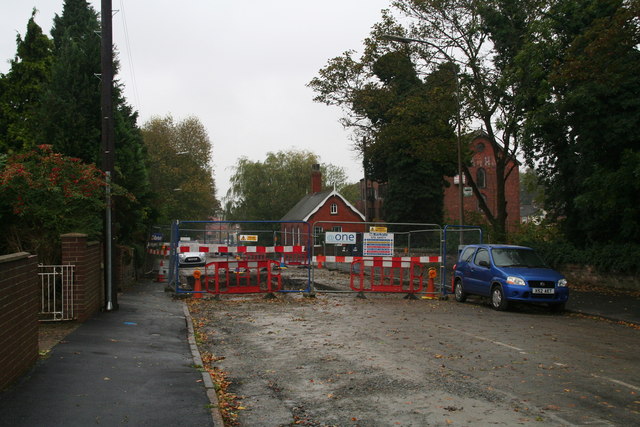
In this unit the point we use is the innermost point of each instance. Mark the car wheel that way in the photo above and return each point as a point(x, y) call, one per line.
point(498, 300)
point(557, 308)
point(460, 295)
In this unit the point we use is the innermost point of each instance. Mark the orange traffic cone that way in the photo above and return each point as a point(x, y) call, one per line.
point(160, 277)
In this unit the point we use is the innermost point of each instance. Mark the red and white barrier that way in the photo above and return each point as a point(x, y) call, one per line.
point(395, 262)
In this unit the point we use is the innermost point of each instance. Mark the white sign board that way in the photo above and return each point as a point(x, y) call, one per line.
point(340, 238)
point(248, 238)
point(377, 244)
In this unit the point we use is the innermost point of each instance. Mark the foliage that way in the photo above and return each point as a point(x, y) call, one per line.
point(557, 251)
point(70, 112)
point(413, 146)
point(585, 58)
point(451, 42)
point(267, 190)
point(44, 194)
point(351, 192)
point(52, 94)
point(133, 215)
point(180, 156)
point(21, 89)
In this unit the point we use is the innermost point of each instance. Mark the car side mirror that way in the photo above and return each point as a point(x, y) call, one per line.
point(484, 263)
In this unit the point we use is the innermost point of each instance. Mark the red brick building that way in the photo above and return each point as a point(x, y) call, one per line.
point(321, 209)
point(483, 171)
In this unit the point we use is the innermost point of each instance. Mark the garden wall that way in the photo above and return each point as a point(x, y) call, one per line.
point(19, 306)
point(587, 275)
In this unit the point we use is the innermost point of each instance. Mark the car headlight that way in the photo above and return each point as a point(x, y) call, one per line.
point(562, 283)
point(512, 280)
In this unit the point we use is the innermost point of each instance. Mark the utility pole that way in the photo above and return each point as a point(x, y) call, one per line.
point(107, 145)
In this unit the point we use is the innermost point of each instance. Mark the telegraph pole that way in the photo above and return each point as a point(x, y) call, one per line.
point(107, 146)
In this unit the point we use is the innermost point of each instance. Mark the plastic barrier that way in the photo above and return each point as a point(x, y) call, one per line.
point(242, 277)
point(387, 276)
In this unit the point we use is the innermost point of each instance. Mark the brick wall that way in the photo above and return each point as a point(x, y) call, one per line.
point(88, 287)
point(19, 306)
point(484, 158)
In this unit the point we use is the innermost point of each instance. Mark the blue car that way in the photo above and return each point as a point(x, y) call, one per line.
point(506, 273)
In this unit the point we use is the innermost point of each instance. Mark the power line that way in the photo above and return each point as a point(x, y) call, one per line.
point(127, 41)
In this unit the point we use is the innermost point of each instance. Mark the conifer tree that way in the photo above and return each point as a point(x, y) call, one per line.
point(21, 89)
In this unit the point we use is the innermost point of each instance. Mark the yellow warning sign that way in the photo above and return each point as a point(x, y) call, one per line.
point(248, 238)
point(377, 229)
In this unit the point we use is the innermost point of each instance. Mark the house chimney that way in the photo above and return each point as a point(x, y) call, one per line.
point(316, 179)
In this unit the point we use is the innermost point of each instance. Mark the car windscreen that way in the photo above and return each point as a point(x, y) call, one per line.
point(517, 257)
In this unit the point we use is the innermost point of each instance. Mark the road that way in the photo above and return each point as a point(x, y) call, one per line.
point(384, 361)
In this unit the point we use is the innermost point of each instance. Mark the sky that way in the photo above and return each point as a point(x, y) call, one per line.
point(240, 67)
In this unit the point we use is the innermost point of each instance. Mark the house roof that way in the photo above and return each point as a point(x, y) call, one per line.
point(311, 203)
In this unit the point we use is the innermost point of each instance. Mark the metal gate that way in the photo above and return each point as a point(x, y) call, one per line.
point(56, 292)
point(454, 239)
point(236, 252)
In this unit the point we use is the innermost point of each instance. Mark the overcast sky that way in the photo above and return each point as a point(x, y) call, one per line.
point(241, 67)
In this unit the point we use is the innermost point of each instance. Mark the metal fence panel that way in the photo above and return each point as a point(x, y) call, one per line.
point(454, 239)
point(56, 292)
point(395, 255)
point(237, 252)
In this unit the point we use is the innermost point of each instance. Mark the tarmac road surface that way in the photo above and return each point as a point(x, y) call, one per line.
point(384, 361)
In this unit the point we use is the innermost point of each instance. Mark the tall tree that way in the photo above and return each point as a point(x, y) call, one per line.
point(413, 145)
point(133, 214)
point(443, 32)
point(70, 113)
point(181, 176)
point(21, 89)
point(583, 114)
point(266, 190)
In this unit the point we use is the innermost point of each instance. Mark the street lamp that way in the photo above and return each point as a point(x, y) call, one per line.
point(407, 40)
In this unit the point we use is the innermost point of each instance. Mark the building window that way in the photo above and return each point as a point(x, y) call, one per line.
point(317, 235)
point(337, 228)
point(480, 147)
point(334, 208)
point(481, 178)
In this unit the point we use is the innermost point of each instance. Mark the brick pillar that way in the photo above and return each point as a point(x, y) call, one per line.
point(88, 286)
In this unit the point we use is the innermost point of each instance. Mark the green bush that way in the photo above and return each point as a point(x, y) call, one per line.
point(556, 251)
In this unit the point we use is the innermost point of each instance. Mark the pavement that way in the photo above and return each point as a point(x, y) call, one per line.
point(612, 304)
point(138, 365)
point(131, 366)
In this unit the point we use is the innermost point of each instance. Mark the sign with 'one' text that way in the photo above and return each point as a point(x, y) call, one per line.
point(340, 238)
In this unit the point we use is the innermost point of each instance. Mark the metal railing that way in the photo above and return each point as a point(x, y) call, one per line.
point(56, 292)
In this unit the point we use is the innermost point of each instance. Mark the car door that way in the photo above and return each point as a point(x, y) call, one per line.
point(463, 268)
point(480, 274)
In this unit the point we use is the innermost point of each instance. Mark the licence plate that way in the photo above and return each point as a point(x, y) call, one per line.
point(543, 290)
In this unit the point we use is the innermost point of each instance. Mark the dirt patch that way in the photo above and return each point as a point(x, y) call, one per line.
point(52, 333)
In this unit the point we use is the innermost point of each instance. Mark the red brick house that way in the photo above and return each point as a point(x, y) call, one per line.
point(483, 171)
point(321, 209)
